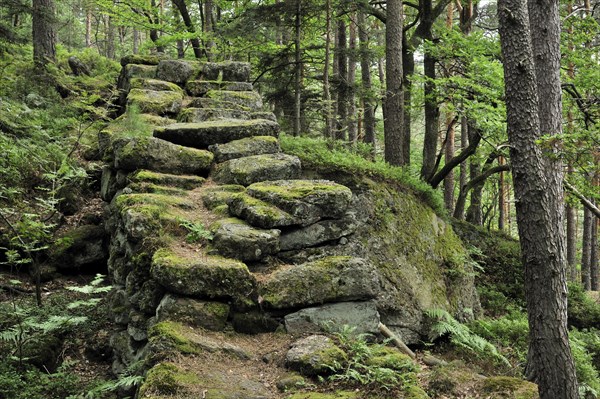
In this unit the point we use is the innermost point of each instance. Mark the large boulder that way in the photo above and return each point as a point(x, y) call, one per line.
point(231, 71)
point(237, 239)
point(307, 200)
point(216, 196)
point(361, 316)
point(331, 279)
point(186, 182)
point(245, 147)
point(259, 213)
point(248, 99)
point(193, 312)
point(314, 355)
point(155, 102)
point(154, 84)
point(196, 115)
point(199, 88)
point(204, 134)
point(318, 233)
point(257, 168)
point(176, 71)
point(205, 276)
point(159, 156)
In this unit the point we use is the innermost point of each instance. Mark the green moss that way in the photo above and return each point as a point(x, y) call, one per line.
point(166, 379)
point(160, 200)
point(392, 359)
point(165, 179)
point(299, 189)
point(158, 102)
point(415, 392)
point(151, 188)
point(172, 335)
point(501, 387)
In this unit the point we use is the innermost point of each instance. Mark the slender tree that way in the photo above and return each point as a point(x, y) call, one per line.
point(538, 186)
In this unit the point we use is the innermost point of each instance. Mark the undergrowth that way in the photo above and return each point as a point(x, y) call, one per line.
point(328, 155)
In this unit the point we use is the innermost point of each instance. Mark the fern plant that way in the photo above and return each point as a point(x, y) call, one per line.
point(461, 336)
point(197, 233)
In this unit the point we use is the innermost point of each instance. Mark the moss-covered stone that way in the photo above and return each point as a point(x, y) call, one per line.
point(155, 102)
point(204, 134)
point(245, 147)
point(220, 195)
point(321, 395)
point(202, 275)
point(188, 182)
point(290, 382)
point(144, 59)
point(233, 71)
point(257, 168)
point(196, 115)
point(172, 336)
point(160, 156)
point(177, 71)
point(151, 188)
point(314, 355)
point(193, 312)
point(80, 247)
point(210, 103)
point(248, 99)
point(166, 379)
point(236, 239)
point(128, 200)
point(509, 387)
point(139, 71)
point(199, 88)
point(331, 279)
point(393, 359)
point(154, 84)
point(306, 200)
point(259, 213)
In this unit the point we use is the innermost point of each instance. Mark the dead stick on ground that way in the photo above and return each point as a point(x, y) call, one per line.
point(397, 341)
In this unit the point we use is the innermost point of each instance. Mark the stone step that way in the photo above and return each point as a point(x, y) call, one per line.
point(155, 101)
point(230, 71)
point(185, 182)
point(160, 156)
point(236, 239)
point(202, 275)
point(330, 279)
point(199, 88)
point(257, 168)
point(257, 145)
point(194, 115)
point(204, 134)
point(154, 84)
point(248, 99)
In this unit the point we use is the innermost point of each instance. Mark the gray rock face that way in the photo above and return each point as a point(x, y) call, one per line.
point(247, 99)
point(257, 168)
point(196, 115)
point(245, 147)
point(108, 184)
point(137, 326)
point(362, 316)
point(220, 195)
point(154, 84)
point(193, 312)
point(160, 156)
point(231, 71)
point(155, 102)
point(176, 71)
point(259, 213)
point(206, 103)
point(331, 279)
point(204, 134)
point(318, 233)
point(306, 200)
point(81, 247)
point(236, 239)
point(148, 296)
point(199, 88)
point(311, 355)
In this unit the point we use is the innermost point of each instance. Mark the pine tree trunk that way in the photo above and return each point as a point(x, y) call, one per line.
point(208, 28)
point(326, 85)
point(594, 255)
point(408, 69)
point(365, 70)
point(586, 249)
point(44, 33)
point(352, 59)
point(538, 188)
point(394, 98)
point(342, 82)
point(298, 68)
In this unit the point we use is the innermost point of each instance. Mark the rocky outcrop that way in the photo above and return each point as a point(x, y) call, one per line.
point(213, 228)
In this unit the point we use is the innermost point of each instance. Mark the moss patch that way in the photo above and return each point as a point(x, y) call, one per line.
point(502, 387)
point(166, 379)
point(172, 336)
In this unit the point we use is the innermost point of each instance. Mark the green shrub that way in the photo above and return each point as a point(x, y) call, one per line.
point(583, 311)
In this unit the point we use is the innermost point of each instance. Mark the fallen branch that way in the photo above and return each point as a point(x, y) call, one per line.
point(397, 341)
point(14, 290)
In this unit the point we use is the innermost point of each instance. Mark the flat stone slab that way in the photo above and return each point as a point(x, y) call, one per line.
point(235, 238)
point(257, 168)
point(193, 312)
point(195, 115)
point(140, 59)
point(259, 213)
point(155, 102)
point(199, 88)
point(204, 276)
point(311, 355)
point(248, 99)
point(154, 84)
point(245, 147)
point(318, 233)
point(330, 279)
point(177, 71)
point(159, 156)
point(204, 134)
point(213, 197)
point(307, 200)
point(205, 102)
point(186, 182)
point(363, 317)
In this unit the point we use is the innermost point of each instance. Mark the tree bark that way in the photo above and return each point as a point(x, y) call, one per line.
point(326, 86)
point(394, 98)
point(298, 68)
point(342, 82)
point(594, 255)
point(187, 20)
point(586, 249)
point(352, 59)
point(408, 69)
point(538, 185)
point(208, 28)
point(365, 70)
point(44, 33)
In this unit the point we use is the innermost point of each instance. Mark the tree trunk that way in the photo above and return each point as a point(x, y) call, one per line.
point(298, 68)
point(394, 98)
point(449, 154)
point(44, 33)
point(365, 70)
point(187, 20)
point(464, 143)
point(538, 185)
point(502, 190)
point(408, 70)
point(342, 82)
point(110, 38)
point(352, 59)
point(586, 249)
point(594, 255)
point(208, 28)
point(326, 86)
point(88, 28)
